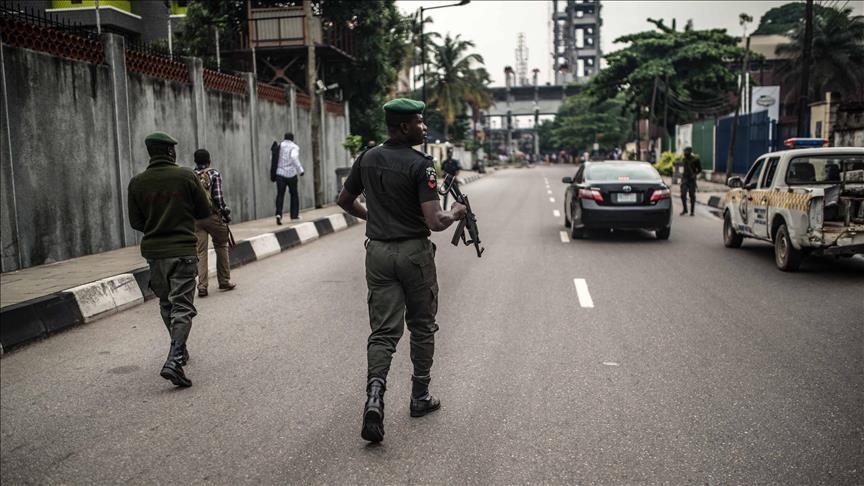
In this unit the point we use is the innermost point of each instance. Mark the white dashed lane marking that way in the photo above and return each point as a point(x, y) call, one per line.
point(582, 292)
point(549, 192)
point(564, 237)
point(552, 199)
point(556, 213)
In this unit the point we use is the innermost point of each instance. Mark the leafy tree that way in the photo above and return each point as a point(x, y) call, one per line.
point(381, 34)
point(453, 78)
point(583, 121)
point(477, 94)
point(837, 54)
point(699, 65)
point(785, 19)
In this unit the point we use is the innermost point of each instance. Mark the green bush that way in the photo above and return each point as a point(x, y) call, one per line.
point(353, 144)
point(664, 165)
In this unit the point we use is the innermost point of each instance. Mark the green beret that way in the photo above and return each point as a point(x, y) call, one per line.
point(160, 137)
point(404, 105)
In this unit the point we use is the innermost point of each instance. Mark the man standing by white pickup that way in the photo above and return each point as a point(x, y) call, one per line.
point(287, 170)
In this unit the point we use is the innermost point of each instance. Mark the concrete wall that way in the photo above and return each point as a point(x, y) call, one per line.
point(65, 180)
point(74, 135)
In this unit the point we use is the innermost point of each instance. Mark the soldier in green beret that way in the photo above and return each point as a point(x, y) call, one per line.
point(164, 202)
point(402, 207)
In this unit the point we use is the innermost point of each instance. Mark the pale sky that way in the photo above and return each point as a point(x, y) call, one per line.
point(493, 25)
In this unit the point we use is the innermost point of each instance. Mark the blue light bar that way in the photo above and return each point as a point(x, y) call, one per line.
point(805, 142)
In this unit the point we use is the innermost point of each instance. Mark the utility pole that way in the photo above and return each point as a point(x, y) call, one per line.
point(804, 95)
point(314, 110)
point(665, 137)
point(536, 115)
point(98, 20)
point(507, 75)
point(730, 153)
point(218, 56)
point(651, 116)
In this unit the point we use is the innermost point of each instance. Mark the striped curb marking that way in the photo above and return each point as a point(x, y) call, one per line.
point(39, 318)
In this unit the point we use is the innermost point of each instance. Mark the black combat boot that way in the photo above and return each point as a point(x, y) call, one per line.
point(184, 355)
point(373, 412)
point(172, 370)
point(422, 402)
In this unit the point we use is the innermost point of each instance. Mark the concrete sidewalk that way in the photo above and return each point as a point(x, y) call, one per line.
point(35, 282)
point(707, 193)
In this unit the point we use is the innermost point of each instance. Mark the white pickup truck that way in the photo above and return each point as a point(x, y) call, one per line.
point(803, 200)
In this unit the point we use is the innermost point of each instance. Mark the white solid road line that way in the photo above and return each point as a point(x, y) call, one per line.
point(556, 213)
point(564, 237)
point(582, 292)
point(552, 199)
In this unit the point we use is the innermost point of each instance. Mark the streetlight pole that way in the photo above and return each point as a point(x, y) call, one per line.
point(804, 95)
point(423, 49)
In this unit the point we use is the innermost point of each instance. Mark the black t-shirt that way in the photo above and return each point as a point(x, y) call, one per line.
point(396, 181)
point(451, 166)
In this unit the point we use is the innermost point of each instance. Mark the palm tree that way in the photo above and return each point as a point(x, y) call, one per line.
point(451, 79)
point(477, 94)
point(837, 53)
point(417, 42)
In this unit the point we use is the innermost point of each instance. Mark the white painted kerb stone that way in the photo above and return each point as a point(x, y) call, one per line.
point(265, 245)
point(306, 232)
point(338, 222)
point(107, 296)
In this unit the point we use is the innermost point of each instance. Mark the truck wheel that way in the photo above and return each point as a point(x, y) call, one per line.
point(786, 256)
point(731, 238)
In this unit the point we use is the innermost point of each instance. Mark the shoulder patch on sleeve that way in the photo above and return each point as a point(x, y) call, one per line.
point(431, 178)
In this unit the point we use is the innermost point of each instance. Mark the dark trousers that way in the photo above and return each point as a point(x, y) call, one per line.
point(291, 183)
point(688, 186)
point(403, 290)
point(444, 205)
point(173, 282)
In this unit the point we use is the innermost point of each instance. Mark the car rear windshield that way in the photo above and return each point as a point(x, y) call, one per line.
point(825, 169)
point(622, 172)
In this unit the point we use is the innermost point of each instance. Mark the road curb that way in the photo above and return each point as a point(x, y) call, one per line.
point(41, 317)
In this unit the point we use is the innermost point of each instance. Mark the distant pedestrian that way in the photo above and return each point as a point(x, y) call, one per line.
point(164, 202)
point(214, 226)
point(288, 168)
point(692, 168)
point(450, 168)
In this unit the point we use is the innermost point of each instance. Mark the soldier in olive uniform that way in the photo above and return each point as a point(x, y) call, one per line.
point(692, 168)
point(400, 185)
point(164, 202)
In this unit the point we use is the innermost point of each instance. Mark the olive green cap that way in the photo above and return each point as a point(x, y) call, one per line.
point(404, 105)
point(160, 137)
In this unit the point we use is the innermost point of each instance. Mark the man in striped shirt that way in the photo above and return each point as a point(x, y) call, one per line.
point(287, 170)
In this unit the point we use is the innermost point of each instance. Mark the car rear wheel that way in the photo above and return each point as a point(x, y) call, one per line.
point(731, 238)
point(786, 256)
point(567, 222)
point(663, 234)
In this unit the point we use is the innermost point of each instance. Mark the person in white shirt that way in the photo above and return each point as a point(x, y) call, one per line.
point(287, 170)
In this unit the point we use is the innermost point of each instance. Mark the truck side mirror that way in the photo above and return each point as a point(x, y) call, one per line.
point(735, 182)
point(567, 180)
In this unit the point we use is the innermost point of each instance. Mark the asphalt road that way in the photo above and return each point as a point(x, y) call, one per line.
point(696, 364)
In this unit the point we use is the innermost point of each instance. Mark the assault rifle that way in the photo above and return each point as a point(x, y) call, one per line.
point(469, 223)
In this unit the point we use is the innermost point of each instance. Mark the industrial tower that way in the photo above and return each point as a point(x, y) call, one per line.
point(522, 60)
point(576, 39)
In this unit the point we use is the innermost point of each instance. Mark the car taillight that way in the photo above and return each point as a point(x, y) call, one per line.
point(590, 194)
point(660, 194)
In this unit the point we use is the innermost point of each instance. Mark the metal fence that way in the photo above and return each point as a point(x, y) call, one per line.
point(752, 139)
